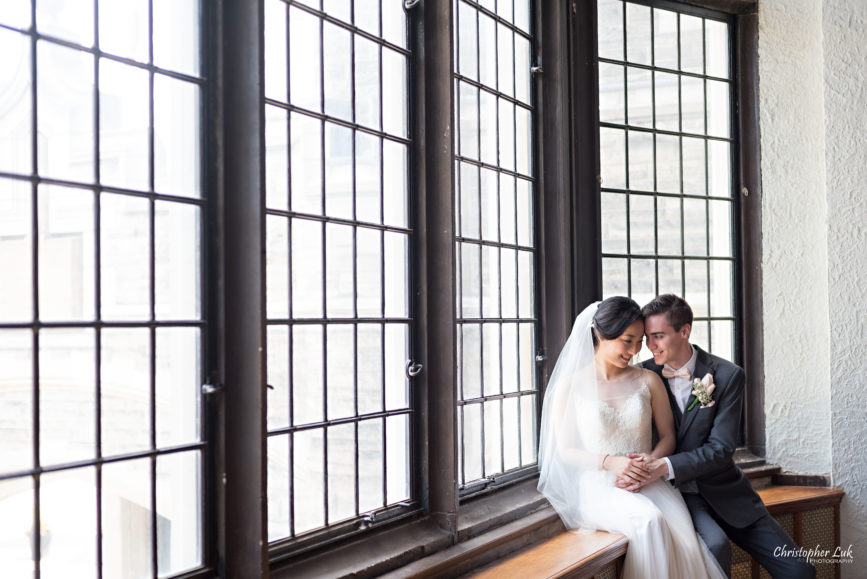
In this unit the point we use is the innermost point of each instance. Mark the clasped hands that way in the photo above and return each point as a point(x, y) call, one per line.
point(636, 470)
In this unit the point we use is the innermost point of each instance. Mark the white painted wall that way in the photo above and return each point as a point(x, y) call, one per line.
point(844, 25)
point(813, 87)
point(794, 235)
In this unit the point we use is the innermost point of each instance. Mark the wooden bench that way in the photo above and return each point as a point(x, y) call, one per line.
point(811, 516)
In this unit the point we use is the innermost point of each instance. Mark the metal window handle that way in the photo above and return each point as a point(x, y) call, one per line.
point(409, 4)
point(413, 368)
point(541, 358)
point(208, 389)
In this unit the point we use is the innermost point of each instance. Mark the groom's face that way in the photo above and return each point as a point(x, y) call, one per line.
point(666, 344)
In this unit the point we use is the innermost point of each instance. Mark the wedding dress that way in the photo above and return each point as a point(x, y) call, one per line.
point(583, 419)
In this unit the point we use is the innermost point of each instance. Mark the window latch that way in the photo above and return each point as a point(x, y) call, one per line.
point(541, 358)
point(413, 368)
point(410, 4)
point(208, 389)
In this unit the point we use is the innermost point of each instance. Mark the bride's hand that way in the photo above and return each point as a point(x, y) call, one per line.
point(632, 470)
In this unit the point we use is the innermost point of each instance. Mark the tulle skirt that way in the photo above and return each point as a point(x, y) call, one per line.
point(662, 540)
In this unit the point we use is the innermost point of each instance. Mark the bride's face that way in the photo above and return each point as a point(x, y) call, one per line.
point(619, 351)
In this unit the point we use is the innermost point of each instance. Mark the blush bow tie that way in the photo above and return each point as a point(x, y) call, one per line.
point(684, 373)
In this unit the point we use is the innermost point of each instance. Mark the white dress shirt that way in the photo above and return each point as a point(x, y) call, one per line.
point(681, 388)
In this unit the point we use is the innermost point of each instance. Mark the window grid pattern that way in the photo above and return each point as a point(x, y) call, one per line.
point(101, 303)
point(495, 245)
point(337, 267)
point(667, 155)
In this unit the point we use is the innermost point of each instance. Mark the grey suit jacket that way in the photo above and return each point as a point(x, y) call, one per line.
point(706, 441)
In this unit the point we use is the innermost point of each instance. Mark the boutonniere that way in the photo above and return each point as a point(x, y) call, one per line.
point(702, 390)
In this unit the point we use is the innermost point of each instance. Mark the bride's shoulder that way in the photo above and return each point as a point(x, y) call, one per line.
point(648, 378)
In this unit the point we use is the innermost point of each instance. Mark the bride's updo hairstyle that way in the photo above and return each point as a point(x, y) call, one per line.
point(612, 318)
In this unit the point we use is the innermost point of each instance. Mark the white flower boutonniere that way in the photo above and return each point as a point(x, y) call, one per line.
point(702, 390)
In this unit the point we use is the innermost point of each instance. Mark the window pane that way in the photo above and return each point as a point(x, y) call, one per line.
point(693, 150)
point(691, 36)
point(123, 28)
point(16, 402)
point(369, 258)
point(667, 97)
point(341, 472)
point(276, 158)
point(275, 50)
point(692, 105)
point(177, 261)
point(610, 29)
point(307, 373)
point(124, 257)
point(65, 108)
point(340, 370)
point(68, 531)
point(278, 376)
point(640, 161)
point(125, 387)
point(371, 462)
point(642, 224)
point(179, 527)
point(668, 163)
point(613, 223)
point(395, 183)
point(639, 89)
point(614, 277)
point(611, 93)
point(306, 57)
point(369, 356)
point(177, 149)
point(67, 395)
point(126, 519)
point(719, 168)
point(716, 48)
point(16, 251)
point(15, 122)
point(66, 253)
point(176, 35)
point(277, 266)
point(665, 46)
point(69, 19)
point(178, 386)
point(668, 226)
point(612, 153)
point(337, 71)
point(307, 269)
point(308, 470)
point(367, 96)
point(16, 14)
point(278, 487)
point(638, 48)
point(394, 89)
point(306, 159)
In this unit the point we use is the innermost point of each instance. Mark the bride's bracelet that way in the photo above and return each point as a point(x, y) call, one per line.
point(602, 461)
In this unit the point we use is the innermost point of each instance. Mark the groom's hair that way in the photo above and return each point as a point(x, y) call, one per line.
point(675, 308)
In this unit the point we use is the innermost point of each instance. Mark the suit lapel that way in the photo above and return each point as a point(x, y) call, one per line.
point(703, 366)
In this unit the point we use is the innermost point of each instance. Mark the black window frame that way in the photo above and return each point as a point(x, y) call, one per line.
point(568, 274)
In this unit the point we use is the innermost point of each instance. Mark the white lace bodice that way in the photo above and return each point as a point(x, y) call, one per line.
point(619, 429)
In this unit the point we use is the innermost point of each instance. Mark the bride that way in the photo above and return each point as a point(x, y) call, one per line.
point(597, 419)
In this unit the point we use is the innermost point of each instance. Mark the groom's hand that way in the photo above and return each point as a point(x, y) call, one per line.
point(656, 468)
point(629, 468)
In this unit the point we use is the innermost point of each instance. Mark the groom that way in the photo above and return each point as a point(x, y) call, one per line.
point(721, 500)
